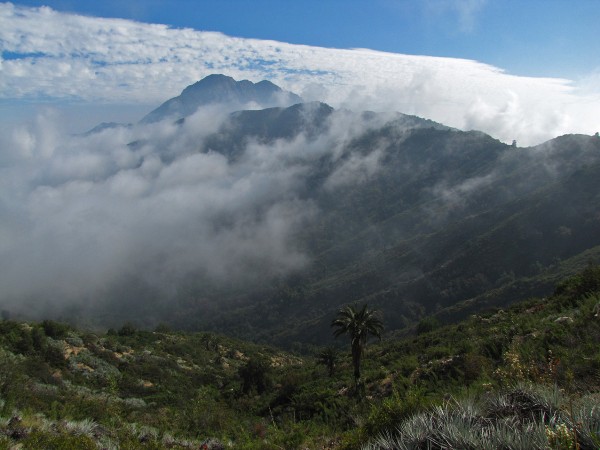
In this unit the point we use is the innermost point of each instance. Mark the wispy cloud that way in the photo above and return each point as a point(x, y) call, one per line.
point(465, 12)
point(48, 54)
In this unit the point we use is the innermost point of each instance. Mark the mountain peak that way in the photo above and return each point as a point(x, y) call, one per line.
point(213, 81)
point(224, 90)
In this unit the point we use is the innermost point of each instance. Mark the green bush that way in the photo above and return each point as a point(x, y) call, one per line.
point(393, 410)
point(45, 441)
point(427, 324)
point(255, 376)
point(578, 286)
point(128, 329)
point(55, 330)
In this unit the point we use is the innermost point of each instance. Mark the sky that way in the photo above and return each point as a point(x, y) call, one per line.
point(554, 38)
point(79, 213)
point(517, 70)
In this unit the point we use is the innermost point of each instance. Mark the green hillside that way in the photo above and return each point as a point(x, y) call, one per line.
point(527, 376)
point(453, 223)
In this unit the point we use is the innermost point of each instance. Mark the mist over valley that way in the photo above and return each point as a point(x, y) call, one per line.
point(263, 222)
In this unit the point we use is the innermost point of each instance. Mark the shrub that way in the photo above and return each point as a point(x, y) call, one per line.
point(55, 330)
point(427, 324)
point(255, 375)
point(128, 329)
point(46, 441)
point(394, 410)
point(460, 425)
point(586, 420)
point(579, 285)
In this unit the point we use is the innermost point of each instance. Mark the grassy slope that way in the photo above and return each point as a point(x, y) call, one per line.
point(64, 388)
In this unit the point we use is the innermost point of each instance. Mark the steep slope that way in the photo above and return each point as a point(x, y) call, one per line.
point(106, 126)
point(407, 214)
point(267, 125)
point(449, 216)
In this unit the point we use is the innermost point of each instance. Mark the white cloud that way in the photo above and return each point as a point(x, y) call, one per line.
point(79, 213)
point(66, 56)
point(355, 170)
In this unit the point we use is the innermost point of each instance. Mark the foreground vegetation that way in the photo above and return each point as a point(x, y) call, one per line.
point(525, 377)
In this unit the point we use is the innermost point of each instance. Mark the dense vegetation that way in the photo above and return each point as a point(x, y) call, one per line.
point(523, 377)
point(452, 223)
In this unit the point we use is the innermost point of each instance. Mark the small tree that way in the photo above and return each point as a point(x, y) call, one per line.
point(255, 375)
point(328, 358)
point(128, 329)
point(427, 324)
point(359, 325)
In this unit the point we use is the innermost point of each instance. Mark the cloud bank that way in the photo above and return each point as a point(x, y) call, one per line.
point(52, 55)
point(153, 203)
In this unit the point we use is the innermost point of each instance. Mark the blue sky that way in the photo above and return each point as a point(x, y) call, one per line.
point(527, 69)
point(555, 38)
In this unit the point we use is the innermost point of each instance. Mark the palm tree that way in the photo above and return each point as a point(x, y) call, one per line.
point(359, 324)
point(328, 358)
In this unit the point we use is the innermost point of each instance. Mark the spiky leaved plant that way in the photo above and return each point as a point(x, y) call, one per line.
point(446, 428)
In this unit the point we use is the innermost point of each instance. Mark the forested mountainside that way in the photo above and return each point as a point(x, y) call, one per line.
point(413, 217)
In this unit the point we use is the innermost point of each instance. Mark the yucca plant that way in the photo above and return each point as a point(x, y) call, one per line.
point(586, 421)
point(526, 401)
point(513, 420)
point(85, 427)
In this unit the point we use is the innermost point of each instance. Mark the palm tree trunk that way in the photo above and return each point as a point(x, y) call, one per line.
point(356, 354)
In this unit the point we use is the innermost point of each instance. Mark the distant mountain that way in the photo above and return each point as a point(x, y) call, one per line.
point(267, 125)
point(311, 119)
point(106, 126)
point(221, 89)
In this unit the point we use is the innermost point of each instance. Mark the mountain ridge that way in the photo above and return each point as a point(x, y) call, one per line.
point(222, 90)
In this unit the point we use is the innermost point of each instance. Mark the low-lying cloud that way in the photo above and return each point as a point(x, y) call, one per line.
point(48, 54)
point(79, 214)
